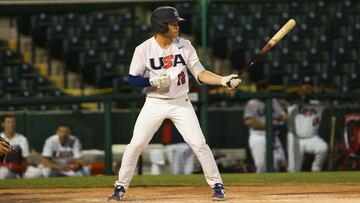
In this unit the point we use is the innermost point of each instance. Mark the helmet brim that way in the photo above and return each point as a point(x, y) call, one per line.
point(180, 19)
point(177, 19)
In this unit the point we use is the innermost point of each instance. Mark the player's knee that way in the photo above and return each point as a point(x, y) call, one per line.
point(196, 143)
point(32, 172)
point(46, 172)
point(198, 146)
point(5, 173)
point(322, 148)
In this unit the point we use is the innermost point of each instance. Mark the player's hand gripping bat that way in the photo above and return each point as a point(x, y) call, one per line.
point(6, 144)
point(272, 42)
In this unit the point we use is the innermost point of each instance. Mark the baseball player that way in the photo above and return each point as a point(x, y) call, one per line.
point(303, 131)
point(160, 65)
point(62, 155)
point(15, 164)
point(254, 118)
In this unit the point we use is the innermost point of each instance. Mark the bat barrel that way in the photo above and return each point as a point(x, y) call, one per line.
point(275, 39)
point(282, 32)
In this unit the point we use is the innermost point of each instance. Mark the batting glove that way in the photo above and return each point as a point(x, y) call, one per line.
point(231, 81)
point(160, 81)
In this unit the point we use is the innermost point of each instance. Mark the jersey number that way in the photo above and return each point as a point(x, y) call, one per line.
point(181, 78)
point(316, 121)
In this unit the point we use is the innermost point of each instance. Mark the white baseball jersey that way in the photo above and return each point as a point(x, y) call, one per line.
point(307, 121)
point(59, 153)
point(19, 140)
point(150, 59)
point(255, 108)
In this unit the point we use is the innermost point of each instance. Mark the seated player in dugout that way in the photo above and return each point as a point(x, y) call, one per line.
point(303, 128)
point(160, 65)
point(17, 163)
point(62, 154)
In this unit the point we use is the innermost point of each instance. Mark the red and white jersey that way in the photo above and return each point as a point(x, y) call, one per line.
point(62, 154)
point(307, 121)
point(19, 140)
point(150, 59)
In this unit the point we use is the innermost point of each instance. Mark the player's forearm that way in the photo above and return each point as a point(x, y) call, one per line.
point(82, 162)
point(50, 164)
point(256, 124)
point(209, 78)
point(47, 163)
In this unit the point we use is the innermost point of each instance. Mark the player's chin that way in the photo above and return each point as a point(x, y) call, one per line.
point(175, 34)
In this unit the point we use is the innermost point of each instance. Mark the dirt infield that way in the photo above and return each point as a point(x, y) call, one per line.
point(243, 194)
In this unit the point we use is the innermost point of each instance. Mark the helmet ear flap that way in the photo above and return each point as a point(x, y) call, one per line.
point(159, 26)
point(163, 27)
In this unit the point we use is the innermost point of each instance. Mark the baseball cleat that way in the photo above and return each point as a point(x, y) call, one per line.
point(219, 192)
point(118, 194)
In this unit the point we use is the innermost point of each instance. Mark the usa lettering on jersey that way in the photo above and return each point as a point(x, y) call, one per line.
point(64, 154)
point(167, 61)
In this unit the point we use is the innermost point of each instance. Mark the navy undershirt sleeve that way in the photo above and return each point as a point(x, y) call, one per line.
point(139, 81)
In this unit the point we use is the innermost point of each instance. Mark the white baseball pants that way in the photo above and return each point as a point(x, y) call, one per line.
point(181, 112)
point(48, 172)
point(312, 145)
point(30, 172)
point(257, 144)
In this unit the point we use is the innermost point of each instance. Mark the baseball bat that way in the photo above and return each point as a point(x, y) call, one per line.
point(271, 43)
point(332, 142)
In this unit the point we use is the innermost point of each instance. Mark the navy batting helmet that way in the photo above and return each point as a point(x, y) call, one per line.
point(163, 15)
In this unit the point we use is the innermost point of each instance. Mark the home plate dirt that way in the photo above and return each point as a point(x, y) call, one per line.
point(323, 193)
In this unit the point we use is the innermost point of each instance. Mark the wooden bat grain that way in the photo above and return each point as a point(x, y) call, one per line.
point(271, 43)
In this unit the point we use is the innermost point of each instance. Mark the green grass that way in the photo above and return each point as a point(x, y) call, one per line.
point(189, 180)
